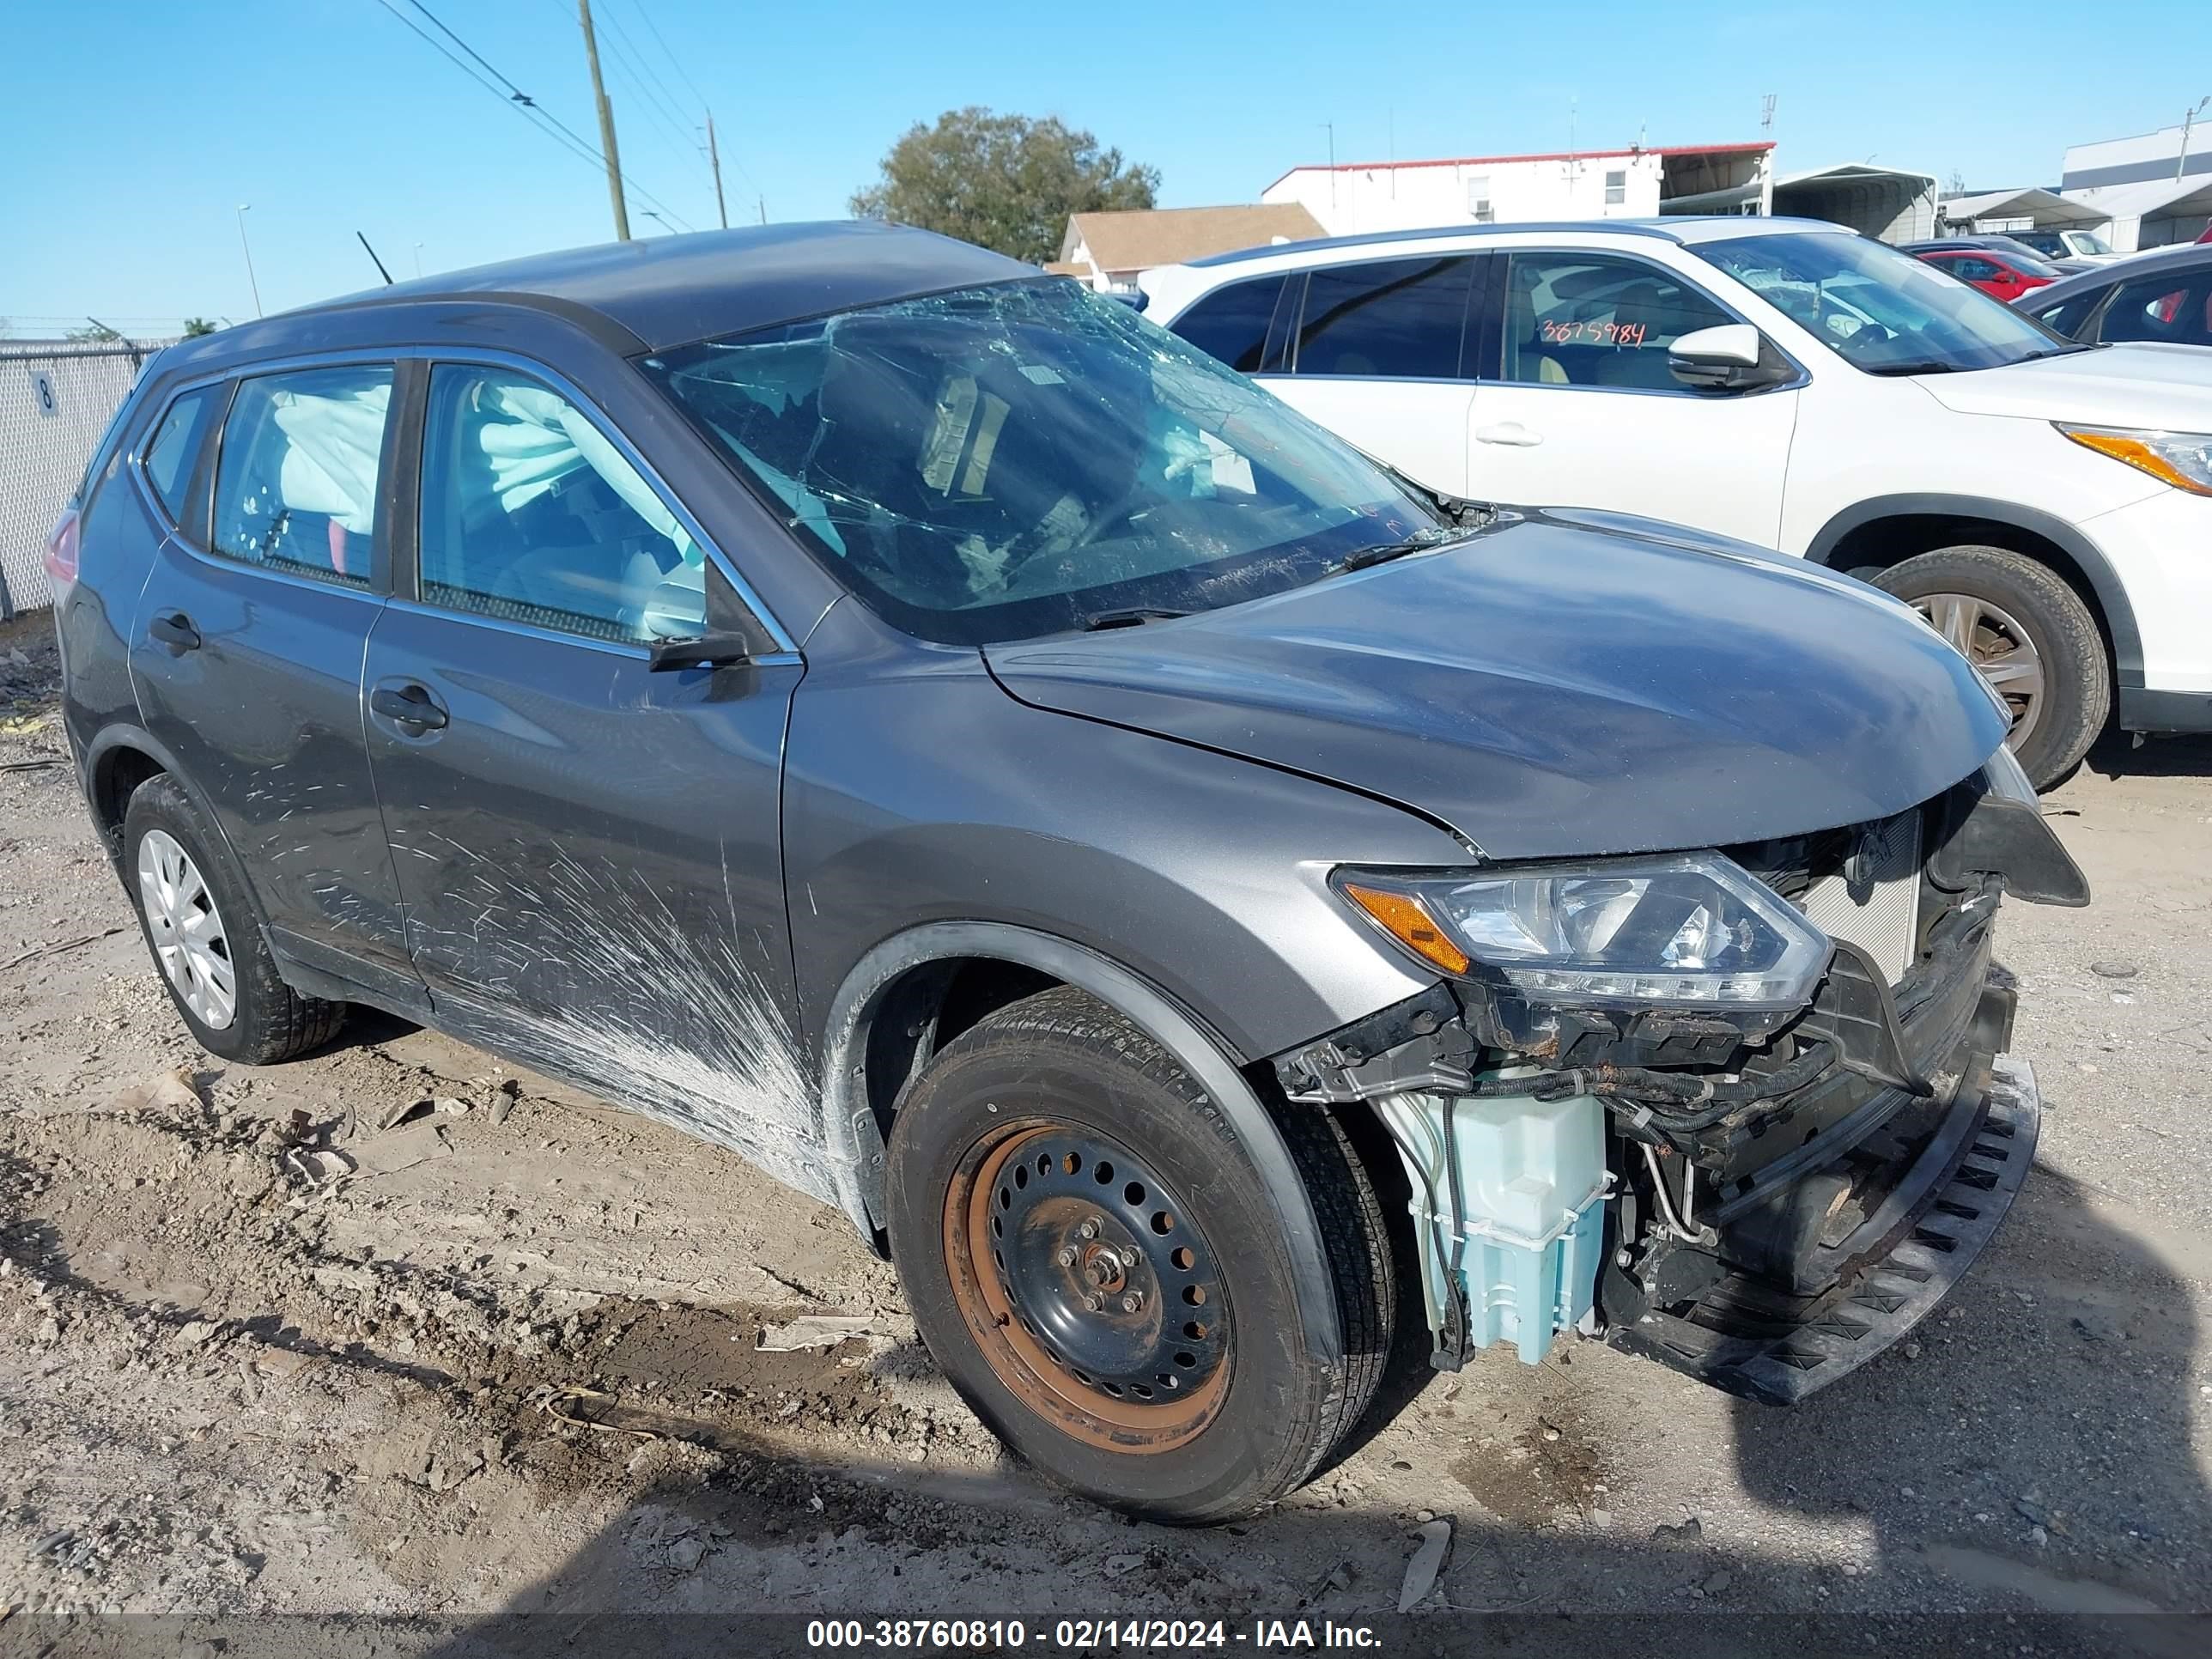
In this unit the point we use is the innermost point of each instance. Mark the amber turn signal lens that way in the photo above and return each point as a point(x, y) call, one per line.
point(1410, 924)
point(2137, 455)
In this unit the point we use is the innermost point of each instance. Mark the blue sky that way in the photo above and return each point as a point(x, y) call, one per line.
point(131, 129)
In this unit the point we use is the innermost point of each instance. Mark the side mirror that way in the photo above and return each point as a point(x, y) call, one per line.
point(1731, 357)
point(708, 627)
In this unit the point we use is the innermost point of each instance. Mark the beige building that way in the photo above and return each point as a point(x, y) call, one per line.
point(1109, 250)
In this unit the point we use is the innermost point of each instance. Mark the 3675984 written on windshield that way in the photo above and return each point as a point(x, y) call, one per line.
point(1001, 462)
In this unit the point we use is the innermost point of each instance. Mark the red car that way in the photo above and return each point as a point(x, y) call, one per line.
point(2001, 276)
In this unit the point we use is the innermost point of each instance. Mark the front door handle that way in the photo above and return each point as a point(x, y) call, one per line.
point(409, 705)
point(1509, 433)
point(174, 630)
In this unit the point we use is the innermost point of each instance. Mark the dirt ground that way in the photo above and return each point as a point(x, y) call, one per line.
point(507, 1365)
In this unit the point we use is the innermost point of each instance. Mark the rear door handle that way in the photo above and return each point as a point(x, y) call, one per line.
point(410, 705)
point(174, 630)
point(1511, 432)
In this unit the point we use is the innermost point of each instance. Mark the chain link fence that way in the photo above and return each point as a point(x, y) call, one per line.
point(56, 399)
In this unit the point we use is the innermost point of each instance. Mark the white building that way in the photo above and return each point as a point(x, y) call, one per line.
point(1354, 196)
point(2148, 190)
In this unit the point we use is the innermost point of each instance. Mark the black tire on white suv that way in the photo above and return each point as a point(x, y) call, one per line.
point(2075, 698)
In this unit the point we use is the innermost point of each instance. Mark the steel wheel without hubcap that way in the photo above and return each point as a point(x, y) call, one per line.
point(186, 929)
point(1989, 637)
point(1088, 1286)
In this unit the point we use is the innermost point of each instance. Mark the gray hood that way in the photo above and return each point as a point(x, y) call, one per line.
point(1562, 684)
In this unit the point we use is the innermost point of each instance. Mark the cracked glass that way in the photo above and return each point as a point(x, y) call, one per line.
point(1002, 462)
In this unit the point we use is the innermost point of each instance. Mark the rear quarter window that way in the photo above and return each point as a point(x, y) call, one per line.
point(1232, 323)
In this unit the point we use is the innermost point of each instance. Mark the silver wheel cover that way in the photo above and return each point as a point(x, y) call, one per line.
point(1991, 637)
point(190, 941)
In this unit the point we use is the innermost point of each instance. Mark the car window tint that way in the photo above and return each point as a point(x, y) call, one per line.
point(532, 515)
point(2068, 315)
point(295, 489)
point(2170, 308)
point(1968, 269)
point(1399, 318)
point(1587, 320)
point(173, 443)
point(1232, 323)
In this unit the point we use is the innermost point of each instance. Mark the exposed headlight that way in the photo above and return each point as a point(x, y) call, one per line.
point(1692, 928)
point(2183, 459)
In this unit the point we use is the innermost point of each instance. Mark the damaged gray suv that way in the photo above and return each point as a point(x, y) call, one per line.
point(1197, 901)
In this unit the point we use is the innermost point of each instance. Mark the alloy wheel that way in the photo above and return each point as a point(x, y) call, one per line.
point(187, 930)
point(2003, 653)
point(1089, 1286)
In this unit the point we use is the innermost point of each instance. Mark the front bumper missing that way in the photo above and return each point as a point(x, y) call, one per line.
point(1746, 1337)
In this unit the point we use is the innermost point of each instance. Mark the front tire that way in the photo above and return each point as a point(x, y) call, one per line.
point(1098, 1269)
point(205, 935)
point(2029, 635)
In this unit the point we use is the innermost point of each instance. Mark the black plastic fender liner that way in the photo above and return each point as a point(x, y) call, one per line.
point(855, 1147)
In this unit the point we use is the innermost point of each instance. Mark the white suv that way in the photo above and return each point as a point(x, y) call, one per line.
point(2047, 506)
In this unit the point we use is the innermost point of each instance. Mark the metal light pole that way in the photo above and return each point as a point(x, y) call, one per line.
point(2187, 122)
point(418, 259)
point(244, 208)
point(1329, 127)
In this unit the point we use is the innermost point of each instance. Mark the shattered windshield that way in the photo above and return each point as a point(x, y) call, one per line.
point(1000, 462)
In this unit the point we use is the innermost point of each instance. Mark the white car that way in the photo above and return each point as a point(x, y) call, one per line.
point(2047, 506)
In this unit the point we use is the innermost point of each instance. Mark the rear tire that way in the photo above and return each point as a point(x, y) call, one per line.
point(2011, 602)
point(205, 935)
point(1157, 1363)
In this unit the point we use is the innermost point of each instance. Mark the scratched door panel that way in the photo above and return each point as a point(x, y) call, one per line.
point(588, 855)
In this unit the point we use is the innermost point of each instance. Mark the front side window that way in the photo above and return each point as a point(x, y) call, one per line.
point(173, 446)
point(531, 515)
point(1232, 323)
point(1885, 311)
point(2087, 243)
point(1969, 267)
point(1001, 462)
point(1402, 319)
point(1596, 319)
point(2176, 310)
point(295, 489)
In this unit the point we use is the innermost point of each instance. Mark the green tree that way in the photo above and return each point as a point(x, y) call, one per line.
point(1002, 181)
point(195, 326)
point(95, 334)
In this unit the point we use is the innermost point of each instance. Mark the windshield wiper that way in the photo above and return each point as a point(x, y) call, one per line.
point(1389, 551)
point(1135, 615)
point(1926, 366)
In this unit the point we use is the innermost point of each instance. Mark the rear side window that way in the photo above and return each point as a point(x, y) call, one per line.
point(1403, 319)
point(1592, 319)
point(2175, 309)
point(173, 445)
point(295, 489)
point(1232, 323)
point(530, 514)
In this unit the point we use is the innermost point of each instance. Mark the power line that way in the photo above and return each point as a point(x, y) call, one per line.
point(627, 49)
point(518, 100)
point(675, 63)
point(529, 104)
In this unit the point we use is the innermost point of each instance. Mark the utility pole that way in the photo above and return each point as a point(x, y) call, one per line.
point(244, 208)
point(2188, 121)
point(606, 122)
point(714, 160)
